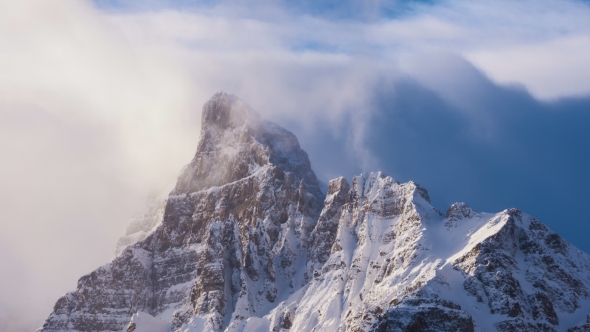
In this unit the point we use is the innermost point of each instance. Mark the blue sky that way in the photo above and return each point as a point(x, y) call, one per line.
point(490, 143)
point(485, 102)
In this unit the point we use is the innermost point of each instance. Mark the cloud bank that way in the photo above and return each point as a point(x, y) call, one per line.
point(100, 105)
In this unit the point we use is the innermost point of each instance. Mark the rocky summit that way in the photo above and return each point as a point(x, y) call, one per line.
point(247, 241)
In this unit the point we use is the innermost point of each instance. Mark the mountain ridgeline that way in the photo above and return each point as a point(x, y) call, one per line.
point(248, 242)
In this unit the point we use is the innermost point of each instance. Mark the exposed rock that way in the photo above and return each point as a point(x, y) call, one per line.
point(324, 234)
point(518, 325)
point(143, 224)
point(245, 245)
point(425, 318)
point(235, 230)
point(583, 327)
point(459, 211)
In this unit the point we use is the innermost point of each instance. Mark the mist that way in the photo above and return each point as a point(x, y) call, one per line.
point(100, 106)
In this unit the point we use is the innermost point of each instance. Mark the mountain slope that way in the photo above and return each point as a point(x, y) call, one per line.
point(245, 245)
point(231, 240)
point(143, 224)
point(397, 265)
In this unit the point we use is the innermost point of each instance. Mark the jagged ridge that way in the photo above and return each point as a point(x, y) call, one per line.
point(245, 245)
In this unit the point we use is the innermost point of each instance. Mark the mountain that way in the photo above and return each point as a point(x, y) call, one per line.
point(143, 224)
point(248, 242)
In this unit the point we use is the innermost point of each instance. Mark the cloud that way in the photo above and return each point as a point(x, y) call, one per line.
point(549, 69)
point(87, 128)
point(100, 105)
point(530, 156)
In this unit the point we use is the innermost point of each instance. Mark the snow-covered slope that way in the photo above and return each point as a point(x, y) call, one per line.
point(245, 245)
point(142, 322)
point(397, 264)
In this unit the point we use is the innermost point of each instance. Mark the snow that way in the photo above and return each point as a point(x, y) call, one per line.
point(255, 324)
point(147, 323)
point(428, 251)
point(143, 256)
point(392, 250)
point(196, 324)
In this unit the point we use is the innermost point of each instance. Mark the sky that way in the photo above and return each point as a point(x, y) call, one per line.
point(477, 101)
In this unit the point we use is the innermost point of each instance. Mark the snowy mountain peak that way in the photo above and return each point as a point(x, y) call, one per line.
point(246, 245)
point(225, 111)
point(459, 211)
point(338, 185)
point(236, 143)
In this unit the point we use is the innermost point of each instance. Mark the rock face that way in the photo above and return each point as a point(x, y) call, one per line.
point(245, 244)
point(143, 224)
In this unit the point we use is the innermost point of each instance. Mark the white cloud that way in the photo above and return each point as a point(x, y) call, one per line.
point(549, 69)
point(89, 125)
point(542, 45)
point(97, 109)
